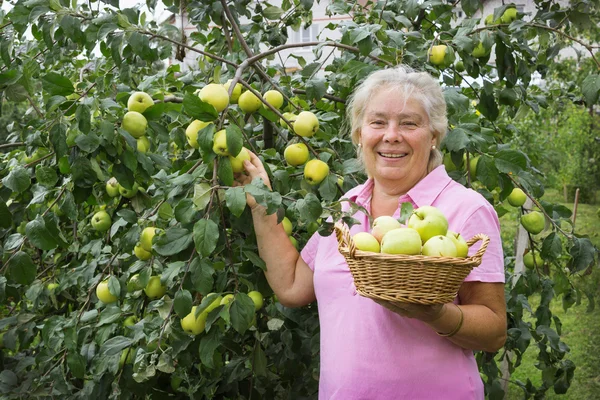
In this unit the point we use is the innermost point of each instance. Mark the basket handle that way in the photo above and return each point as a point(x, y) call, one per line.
point(344, 239)
point(486, 240)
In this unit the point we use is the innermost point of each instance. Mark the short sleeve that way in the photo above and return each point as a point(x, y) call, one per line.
point(485, 220)
point(309, 252)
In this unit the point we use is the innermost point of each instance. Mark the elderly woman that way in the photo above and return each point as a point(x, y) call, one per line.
point(393, 350)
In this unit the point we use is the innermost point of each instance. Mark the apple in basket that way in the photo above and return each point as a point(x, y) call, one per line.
point(401, 241)
point(462, 248)
point(429, 221)
point(384, 224)
point(439, 246)
point(366, 242)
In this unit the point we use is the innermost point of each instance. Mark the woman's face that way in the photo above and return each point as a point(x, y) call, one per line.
point(396, 140)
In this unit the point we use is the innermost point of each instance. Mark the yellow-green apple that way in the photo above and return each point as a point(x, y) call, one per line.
point(192, 324)
point(220, 143)
point(290, 117)
point(191, 132)
point(517, 197)
point(294, 241)
point(437, 54)
point(533, 222)
point(128, 193)
point(257, 298)
point(176, 382)
point(228, 298)
point(306, 124)
point(287, 225)
point(134, 284)
point(459, 66)
point(401, 241)
point(141, 253)
point(214, 304)
point(384, 224)
point(134, 123)
point(479, 51)
point(146, 237)
point(439, 246)
point(112, 187)
point(130, 321)
point(532, 259)
point(52, 286)
point(215, 95)
point(510, 14)
point(237, 162)
point(139, 101)
point(364, 241)
point(127, 357)
point(274, 98)
point(237, 90)
point(101, 221)
point(429, 221)
point(489, 20)
point(315, 171)
point(462, 248)
point(154, 289)
point(473, 161)
point(103, 294)
point(143, 144)
point(248, 102)
point(296, 154)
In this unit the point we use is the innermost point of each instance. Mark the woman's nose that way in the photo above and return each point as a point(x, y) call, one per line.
point(392, 133)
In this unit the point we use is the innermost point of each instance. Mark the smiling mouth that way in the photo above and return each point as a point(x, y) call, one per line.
point(393, 155)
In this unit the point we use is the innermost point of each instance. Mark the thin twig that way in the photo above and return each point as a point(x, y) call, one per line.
point(9, 145)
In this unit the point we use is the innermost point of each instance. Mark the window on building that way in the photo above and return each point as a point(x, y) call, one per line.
point(307, 35)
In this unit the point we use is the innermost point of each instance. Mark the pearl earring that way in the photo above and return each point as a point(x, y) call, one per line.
point(360, 145)
point(433, 147)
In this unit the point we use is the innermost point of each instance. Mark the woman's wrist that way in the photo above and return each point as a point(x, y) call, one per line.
point(451, 317)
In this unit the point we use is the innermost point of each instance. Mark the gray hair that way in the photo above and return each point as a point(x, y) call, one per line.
point(408, 83)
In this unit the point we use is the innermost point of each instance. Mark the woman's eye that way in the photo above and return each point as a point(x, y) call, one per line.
point(409, 123)
point(377, 122)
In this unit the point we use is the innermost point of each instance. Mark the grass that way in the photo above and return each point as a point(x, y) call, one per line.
point(581, 329)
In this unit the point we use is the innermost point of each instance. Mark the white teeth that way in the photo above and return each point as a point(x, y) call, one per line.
point(390, 155)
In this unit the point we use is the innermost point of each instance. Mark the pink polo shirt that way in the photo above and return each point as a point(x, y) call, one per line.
point(369, 352)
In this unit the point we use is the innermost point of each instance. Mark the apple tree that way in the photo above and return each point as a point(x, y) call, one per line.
point(129, 263)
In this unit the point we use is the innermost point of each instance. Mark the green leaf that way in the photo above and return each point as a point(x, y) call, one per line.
point(76, 364)
point(183, 303)
point(457, 139)
point(175, 240)
point(5, 216)
point(72, 28)
point(83, 117)
point(259, 360)
point(235, 199)
point(487, 172)
point(208, 345)
point(17, 180)
point(140, 44)
point(202, 275)
point(185, 211)
point(583, 253)
point(234, 140)
point(315, 89)
point(552, 246)
point(83, 173)
point(202, 192)
point(58, 138)
point(39, 235)
point(46, 176)
point(273, 13)
point(9, 77)
point(114, 287)
point(224, 171)
point(328, 188)
point(487, 105)
point(196, 108)
point(241, 312)
point(263, 195)
point(21, 268)
point(88, 143)
point(115, 345)
point(56, 84)
point(206, 235)
point(510, 161)
point(591, 89)
point(406, 210)
point(255, 259)
point(309, 208)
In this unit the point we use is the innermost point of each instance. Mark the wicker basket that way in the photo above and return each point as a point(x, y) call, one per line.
point(413, 279)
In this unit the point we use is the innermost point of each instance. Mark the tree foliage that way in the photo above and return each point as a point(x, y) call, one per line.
point(72, 67)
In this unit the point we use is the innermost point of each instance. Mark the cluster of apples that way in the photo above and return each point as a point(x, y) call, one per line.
point(154, 289)
point(426, 233)
point(194, 323)
point(534, 221)
point(133, 120)
point(143, 248)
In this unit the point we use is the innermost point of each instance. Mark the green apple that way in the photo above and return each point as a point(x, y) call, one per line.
point(315, 171)
point(130, 321)
point(274, 98)
point(532, 259)
point(459, 66)
point(437, 54)
point(146, 237)
point(139, 102)
point(192, 324)
point(134, 123)
point(489, 20)
point(306, 124)
point(533, 222)
point(143, 144)
point(510, 14)
point(128, 193)
point(364, 241)
point(480, 51)
point(154, 289)
point(176, 382)
point(257, 298)
point(462, 248)
point(191, 132)
point(103, 294)
point(215, 95)
point(296, 154)
point(401, 241)
point(220, 143)
point(287, 226)
point(473, 161)
point(439, 246)
point(134, 283)
point(237, 91)
point(101, 221)
point(127, 357)
point(517, 197)
point(382, 225)
point(248, 102)
point(228, 298)
point(51, 286)
point(64, 166)
point(429, 221)
point(237, 162)
point(112, 187)
point(141, 253)
point(290, 117)
point(294, 242)
point(215, 303)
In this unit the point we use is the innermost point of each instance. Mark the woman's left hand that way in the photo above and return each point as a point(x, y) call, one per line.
point(425, 313)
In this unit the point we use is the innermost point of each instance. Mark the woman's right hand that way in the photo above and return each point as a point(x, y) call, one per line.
point(252, 169)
